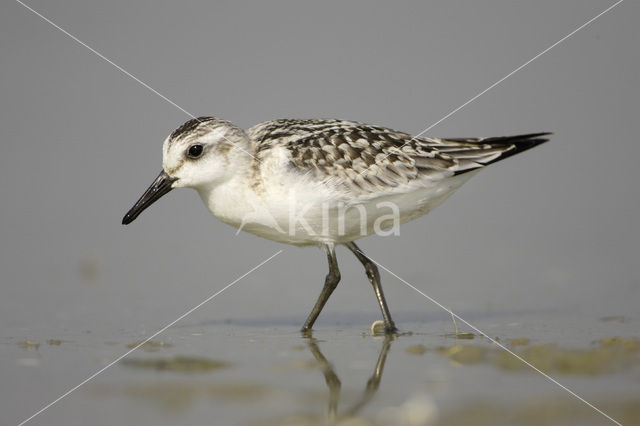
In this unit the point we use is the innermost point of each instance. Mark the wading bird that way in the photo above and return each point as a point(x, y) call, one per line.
point(320, 182)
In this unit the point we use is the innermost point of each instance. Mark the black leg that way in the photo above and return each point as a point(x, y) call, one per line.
point(330, 377)
point(374, 381)
point(334, 384)
point(374, 278)
point(330, 284)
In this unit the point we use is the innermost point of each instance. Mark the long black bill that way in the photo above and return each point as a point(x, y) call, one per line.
point(158, 188)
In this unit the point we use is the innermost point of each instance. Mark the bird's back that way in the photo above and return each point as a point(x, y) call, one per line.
point(367, 160)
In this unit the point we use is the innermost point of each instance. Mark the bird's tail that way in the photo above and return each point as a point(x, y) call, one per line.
point(485, 151)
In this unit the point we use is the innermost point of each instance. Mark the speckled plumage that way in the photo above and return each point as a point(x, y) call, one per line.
point(371, 159)
point(320, 182)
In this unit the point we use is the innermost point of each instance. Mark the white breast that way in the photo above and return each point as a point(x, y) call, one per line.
point(293, 209)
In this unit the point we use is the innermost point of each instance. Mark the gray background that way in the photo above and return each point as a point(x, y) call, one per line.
point(553, 229)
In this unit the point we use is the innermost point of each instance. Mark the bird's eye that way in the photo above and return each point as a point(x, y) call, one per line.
point(195, 151)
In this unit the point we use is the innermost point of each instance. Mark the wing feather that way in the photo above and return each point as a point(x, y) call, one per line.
point(371, 159)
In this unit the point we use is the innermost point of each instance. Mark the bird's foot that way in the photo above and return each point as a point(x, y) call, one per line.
point(380, 327)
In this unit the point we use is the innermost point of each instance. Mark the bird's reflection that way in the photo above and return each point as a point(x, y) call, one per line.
point(334, 384)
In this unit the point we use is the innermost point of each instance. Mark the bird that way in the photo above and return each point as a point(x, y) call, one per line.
point(321, 182)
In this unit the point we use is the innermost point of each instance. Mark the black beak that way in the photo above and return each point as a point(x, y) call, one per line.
point(158, 188)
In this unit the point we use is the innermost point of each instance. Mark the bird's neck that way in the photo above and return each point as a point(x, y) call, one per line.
point(227, 200)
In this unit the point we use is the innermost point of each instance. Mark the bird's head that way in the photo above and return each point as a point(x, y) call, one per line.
point(203, 152)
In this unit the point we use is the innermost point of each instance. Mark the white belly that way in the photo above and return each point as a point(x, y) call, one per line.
point(303, 214)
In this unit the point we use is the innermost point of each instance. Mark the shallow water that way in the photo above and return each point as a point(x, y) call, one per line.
point(257, 373)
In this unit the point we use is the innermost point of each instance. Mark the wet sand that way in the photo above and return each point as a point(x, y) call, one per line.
point(261, 372)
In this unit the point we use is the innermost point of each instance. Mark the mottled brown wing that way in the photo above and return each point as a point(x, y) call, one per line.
point(374, 159)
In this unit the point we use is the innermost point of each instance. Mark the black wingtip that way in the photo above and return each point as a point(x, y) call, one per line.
point(513, 145)
point(521, 143)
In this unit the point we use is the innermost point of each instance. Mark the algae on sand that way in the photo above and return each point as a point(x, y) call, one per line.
point(179, 363)
point(611, 354)
point(28, 344)
point(150, 346)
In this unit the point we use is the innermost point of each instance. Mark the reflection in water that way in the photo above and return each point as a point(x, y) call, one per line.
point(177, 396)
point(334, 384)
point(191, 380)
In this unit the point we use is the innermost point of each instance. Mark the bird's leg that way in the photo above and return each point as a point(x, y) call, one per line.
point(374, 277)
point(330, 284)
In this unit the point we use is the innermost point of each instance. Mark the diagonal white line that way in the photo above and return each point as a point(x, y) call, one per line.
point(76, 39)
point(518, 69)
point(482, 92)
point(498, 82)
point(127, 73)
point(548, 377)
point(115, 361)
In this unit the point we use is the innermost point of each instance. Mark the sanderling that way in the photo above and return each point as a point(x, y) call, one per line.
point(321, 182)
